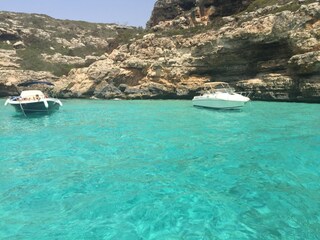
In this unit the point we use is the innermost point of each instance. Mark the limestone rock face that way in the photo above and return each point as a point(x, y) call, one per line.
point(9, 79)
point(64, 59)
point(305, 64)
point(151, 67)
point(260, 54)
point(31, 44)
point(11, 74)
point(270, 87)
point(8, 33)
point(193, 11)
point(168, 10)
point(8, 59)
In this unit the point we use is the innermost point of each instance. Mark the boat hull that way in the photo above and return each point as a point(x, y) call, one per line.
point(218, 104)
point(36, 107)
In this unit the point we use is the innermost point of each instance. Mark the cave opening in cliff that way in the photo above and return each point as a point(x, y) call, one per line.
point(270, 57)
point(8, 37)
point(246, 60)
point(267, 51)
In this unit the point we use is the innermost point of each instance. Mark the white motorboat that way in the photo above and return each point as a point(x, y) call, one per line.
point(219, 95)
point(34, 101)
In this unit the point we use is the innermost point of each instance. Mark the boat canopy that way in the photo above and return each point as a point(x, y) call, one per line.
point(32, 82)
point(31, 93)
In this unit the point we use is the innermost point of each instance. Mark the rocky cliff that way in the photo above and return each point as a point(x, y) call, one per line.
point(273, 53)
point(191, 12)
point(269, 49)
point(35, 46)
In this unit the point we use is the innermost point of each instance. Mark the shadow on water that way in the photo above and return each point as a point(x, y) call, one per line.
point(219, 109)
point(34, 120)
point(32, 115)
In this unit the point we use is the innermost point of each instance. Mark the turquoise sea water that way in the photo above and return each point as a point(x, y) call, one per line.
point(161, 170)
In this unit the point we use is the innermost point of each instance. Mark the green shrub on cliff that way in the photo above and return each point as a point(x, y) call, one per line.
point(5, 45)
point(45, 35)
point(190, 32)
point(31, 60)
point(287, 5)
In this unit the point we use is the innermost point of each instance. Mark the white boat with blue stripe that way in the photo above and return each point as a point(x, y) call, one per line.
point(34, 101)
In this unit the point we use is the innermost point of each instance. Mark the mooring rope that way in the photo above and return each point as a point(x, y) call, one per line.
point(22, 108)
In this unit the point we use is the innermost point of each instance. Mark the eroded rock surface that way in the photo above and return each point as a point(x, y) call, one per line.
point(259, 54)
point(35, 46)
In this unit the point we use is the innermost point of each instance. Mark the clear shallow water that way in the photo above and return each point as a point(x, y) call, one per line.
point(161, 170)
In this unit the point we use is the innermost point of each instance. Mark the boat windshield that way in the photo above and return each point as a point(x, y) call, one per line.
point(218, 87)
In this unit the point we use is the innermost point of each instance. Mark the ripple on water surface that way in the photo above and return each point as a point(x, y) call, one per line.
point(161, 170)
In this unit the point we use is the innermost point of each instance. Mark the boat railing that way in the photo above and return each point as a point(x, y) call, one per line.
point(14, 98)
point(30, 98)
point(213, 90)
point(231, 91)
point(246, 94)
point(224, 90)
